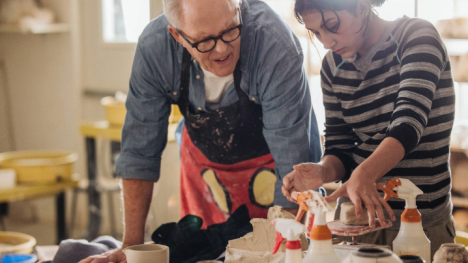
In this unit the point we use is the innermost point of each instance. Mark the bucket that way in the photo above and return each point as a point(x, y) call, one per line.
point(16, 243)
point(39, 166)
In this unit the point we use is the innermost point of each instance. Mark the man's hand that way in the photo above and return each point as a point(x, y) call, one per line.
point(360, 190)
point(113, 256)
point(306, 176)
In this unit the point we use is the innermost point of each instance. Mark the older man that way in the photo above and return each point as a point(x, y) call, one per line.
point(235, 71)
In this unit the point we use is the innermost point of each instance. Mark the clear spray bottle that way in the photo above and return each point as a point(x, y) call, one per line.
point(411, 239)
point(291, 231)
point(321, 247)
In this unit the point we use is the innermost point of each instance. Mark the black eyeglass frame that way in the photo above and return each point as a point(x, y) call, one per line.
point(219, 37)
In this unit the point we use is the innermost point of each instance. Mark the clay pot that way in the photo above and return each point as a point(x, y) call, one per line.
point(451, 253)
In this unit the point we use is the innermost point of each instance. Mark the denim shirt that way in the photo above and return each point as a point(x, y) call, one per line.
point(272, 75)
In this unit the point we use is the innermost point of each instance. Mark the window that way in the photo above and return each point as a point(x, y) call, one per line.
point(124, 20)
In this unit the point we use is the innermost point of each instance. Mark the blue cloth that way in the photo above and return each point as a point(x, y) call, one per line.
point(272, 75)
point(72, 251)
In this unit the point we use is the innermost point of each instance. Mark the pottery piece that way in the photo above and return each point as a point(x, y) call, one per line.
point(348, 215)
point(147, 253)
point(451, 253)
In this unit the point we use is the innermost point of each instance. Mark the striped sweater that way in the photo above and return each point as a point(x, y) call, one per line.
point(401, 88)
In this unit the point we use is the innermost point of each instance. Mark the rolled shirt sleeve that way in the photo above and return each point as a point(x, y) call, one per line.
point(144, 134)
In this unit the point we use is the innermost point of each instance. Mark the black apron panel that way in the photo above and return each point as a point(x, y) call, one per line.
point(229, 134)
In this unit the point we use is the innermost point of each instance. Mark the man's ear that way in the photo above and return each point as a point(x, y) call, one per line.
point(175, 34)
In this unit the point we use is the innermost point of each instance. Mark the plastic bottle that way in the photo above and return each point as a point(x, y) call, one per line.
point(411, 239)
point(292, 230)
point(321, 247)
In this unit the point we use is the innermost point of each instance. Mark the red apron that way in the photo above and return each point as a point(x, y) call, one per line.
point(225, 160)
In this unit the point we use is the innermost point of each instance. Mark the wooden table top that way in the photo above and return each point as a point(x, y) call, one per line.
point(27, 191)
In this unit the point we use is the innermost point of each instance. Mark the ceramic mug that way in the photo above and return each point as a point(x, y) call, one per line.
point(147, 253)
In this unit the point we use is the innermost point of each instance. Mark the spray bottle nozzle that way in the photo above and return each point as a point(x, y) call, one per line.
point(389, 187)
point(404, 189)
point(286, 229)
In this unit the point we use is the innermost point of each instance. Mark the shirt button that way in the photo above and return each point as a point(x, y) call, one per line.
point(175, 93)
point(200, 108)
point(198, 77)
point(253, 98)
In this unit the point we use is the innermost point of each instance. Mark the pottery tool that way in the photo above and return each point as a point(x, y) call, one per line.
point(411, 239)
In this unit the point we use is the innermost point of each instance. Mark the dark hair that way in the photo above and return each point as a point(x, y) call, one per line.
point(302, 6)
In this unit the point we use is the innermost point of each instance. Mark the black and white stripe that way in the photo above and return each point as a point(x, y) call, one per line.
point(401, 88)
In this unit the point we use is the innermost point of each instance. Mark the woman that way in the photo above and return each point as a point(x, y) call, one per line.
point(389, 101)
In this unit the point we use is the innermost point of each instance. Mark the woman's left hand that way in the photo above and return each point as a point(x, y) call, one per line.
point(360, 189)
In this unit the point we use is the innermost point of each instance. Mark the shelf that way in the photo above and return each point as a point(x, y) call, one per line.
point(456, 47)
point(37, 29)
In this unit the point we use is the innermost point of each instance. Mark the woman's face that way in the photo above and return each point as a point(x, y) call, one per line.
point(347, 38)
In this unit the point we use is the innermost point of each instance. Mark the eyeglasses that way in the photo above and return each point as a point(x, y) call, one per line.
point(208, 44)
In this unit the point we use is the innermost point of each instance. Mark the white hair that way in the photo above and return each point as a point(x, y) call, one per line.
point(173, 8)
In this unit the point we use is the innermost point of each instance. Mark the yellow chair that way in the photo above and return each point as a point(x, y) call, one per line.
point(461, 238)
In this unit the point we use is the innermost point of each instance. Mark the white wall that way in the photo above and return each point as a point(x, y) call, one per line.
point(6, 141)
point(41, 83)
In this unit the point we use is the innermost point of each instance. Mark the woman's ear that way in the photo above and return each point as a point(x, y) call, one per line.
point(363, 8)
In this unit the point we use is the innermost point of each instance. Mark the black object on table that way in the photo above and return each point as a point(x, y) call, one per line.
point(188, 243)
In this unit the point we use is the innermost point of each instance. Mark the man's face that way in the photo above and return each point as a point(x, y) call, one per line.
point(201, 19)
point(347, 38)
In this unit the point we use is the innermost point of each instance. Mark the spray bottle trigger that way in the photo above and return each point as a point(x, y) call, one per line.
point(389, 186)
point(278, 241)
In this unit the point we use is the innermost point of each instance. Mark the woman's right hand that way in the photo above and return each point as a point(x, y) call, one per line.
point(113, 256)
point(306, 176)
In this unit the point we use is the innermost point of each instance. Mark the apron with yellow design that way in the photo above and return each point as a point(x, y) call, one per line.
point(225, 160)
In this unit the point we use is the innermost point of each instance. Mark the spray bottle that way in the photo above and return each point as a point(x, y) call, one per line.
point(411, 239)
point(321, 247)
point(292, 230)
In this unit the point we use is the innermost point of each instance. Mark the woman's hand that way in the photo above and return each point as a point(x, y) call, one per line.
point(360, 189)
point(113, 256)
point(306, 176)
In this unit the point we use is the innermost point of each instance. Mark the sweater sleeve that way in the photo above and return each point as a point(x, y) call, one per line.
point(423, 58)
point(340, 138)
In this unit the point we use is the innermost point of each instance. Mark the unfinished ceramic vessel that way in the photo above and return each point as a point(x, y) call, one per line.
point(348, 215)
point(451, 253)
